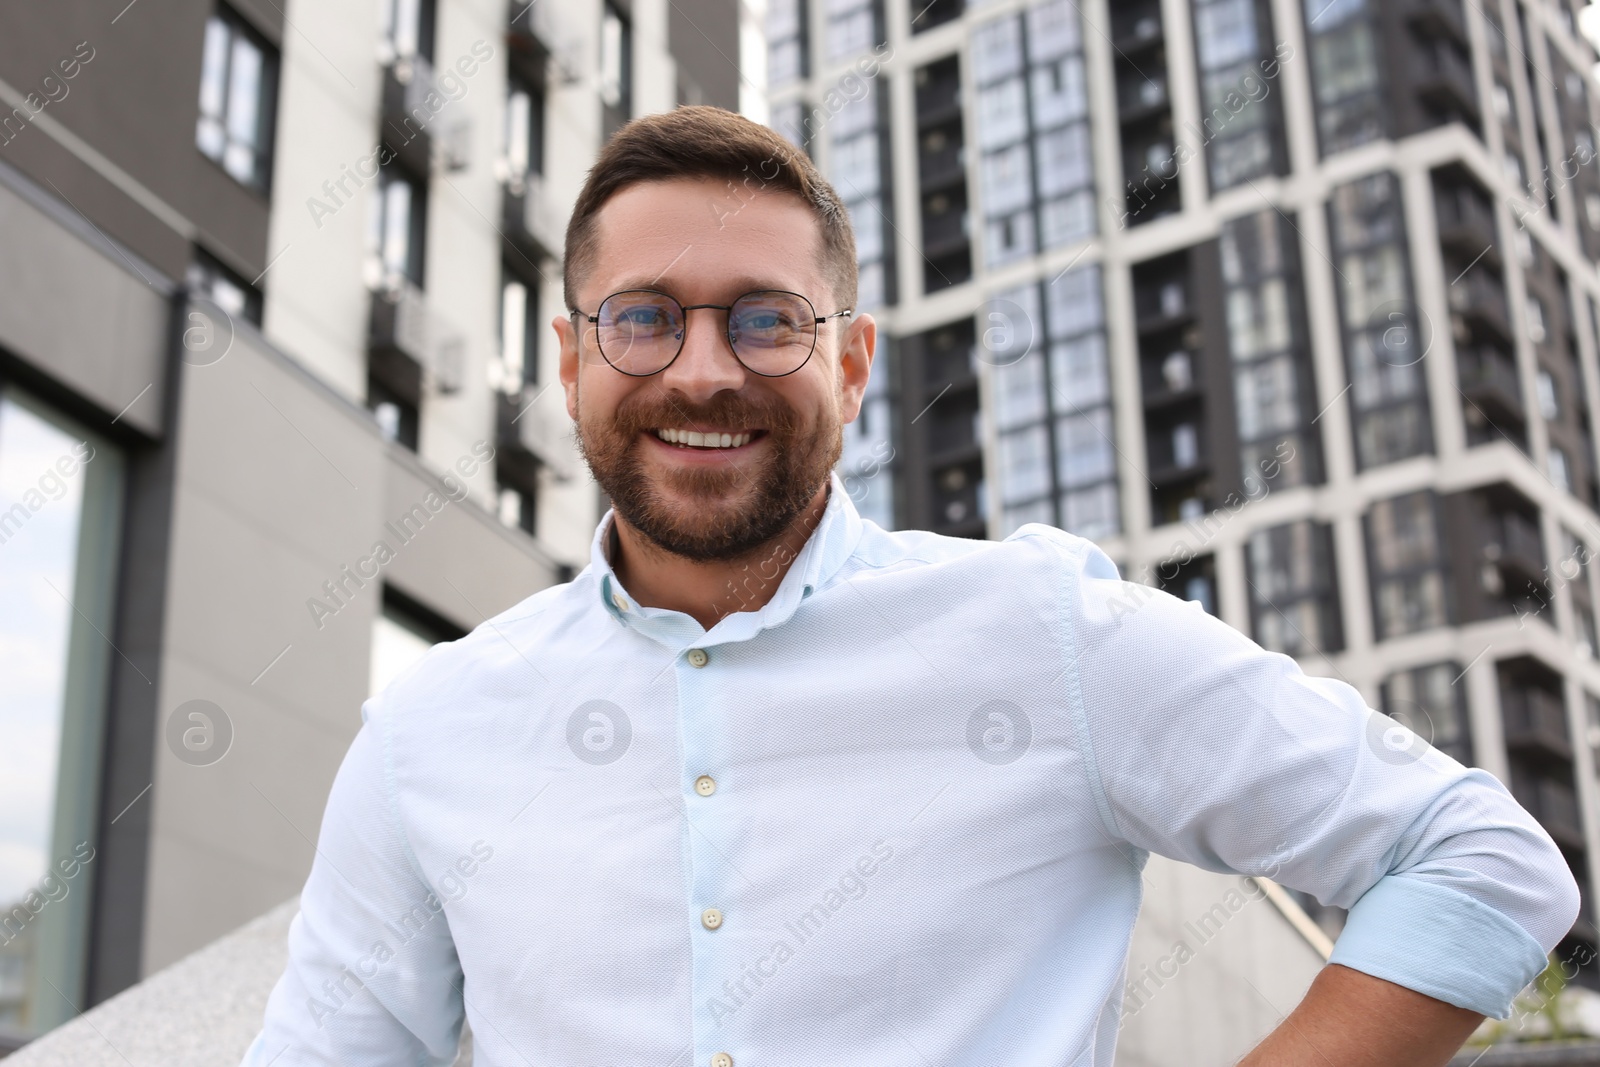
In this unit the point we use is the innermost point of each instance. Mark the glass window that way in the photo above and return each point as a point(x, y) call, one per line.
point(1019, 392)
point(238, 83)
point(1053, 29)
point(1407, 567)
point(1084, 452)
point(1060, 92)
point(1002, 113)
point(1065, 159)
point(616, 67)
point(1547, 395)
point(1007, 179)
point(1294, 597)
point(524, 130)
point(402, 634)
point(60, 503)
point(396, 223)
point(1091, 512)
point(1072, 303)
point(1268, 397)
point(207, 277)
point(1078, 370)
point(1024, 464)
point(996, 50)
point(1428, 702)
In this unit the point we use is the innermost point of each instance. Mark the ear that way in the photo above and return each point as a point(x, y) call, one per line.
point(859, 347)
point(567, 334)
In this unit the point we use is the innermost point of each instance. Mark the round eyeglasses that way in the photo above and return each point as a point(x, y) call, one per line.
point(772, 332)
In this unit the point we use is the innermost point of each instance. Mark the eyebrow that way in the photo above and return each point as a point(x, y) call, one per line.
point(672, 286)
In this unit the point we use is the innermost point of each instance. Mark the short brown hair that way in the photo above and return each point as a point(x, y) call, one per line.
point(710, 142)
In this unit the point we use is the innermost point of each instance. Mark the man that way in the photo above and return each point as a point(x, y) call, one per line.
point(768, 786)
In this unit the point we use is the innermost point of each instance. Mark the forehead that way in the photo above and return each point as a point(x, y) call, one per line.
point(706, 240)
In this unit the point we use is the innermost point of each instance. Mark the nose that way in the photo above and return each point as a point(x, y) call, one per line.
point(707, 365)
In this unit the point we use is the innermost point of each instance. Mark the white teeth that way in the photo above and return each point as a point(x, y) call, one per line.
point(695, 439)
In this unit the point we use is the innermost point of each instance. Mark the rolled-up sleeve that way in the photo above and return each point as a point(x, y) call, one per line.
point(1209, 749)
point(372, 976)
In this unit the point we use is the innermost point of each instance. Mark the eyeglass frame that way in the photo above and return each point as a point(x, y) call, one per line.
point(819, 320)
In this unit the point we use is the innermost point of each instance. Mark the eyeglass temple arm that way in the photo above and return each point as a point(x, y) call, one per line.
point(824, 318)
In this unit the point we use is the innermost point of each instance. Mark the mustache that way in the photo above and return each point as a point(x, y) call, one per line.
point(649, 411)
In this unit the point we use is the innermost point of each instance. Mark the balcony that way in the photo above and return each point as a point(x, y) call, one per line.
point(529, 220)
point(1511, 541)
point(1443, 77)
point(944, 232)
point(1466, 221)
point(941, 163)
point(938, 95)
point(1535, 721)
point(1478, 296)
point(539, 39)
point(407, 84)
point(1489, 379)
point(533, 430)
point(1436, 18)
point(409, 346)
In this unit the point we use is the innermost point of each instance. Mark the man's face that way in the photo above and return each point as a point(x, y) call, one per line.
point(702, 242)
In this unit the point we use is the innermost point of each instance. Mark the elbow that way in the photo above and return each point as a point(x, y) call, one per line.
point(1561, 900)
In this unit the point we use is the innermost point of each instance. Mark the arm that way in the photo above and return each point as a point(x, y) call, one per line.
point(1231, 758)
point(1351, 1019)
point(372, 976)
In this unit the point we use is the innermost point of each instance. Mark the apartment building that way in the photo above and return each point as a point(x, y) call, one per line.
point(274, 415)
point(1291, 306)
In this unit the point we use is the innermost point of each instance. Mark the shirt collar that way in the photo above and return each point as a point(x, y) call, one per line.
point(820, 558)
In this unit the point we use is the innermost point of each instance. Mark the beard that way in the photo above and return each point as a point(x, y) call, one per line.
point(707, 513)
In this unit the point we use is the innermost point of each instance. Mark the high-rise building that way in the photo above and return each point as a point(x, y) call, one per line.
point(1291, 306)
point(275, 414)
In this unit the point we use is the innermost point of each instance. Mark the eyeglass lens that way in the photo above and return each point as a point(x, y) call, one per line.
point(772, 332)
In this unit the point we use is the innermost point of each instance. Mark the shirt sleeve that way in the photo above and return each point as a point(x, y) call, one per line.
point(372, 976)
point(1207, 748)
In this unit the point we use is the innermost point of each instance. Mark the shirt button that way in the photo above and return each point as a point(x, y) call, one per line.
point(722, 1059)
point(711, 918)
point(698, 657)
point(617, 599)
point(705, 785)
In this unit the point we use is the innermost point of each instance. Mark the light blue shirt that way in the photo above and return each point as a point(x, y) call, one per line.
point(895, 816)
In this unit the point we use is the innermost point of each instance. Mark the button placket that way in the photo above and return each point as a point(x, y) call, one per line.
point(712, 885)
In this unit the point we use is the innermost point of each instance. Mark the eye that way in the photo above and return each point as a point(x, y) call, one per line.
point(642, 315)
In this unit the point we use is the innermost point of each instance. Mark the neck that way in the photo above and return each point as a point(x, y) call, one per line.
point(709, 590)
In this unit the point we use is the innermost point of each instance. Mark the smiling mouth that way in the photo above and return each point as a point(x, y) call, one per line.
point(708, 439)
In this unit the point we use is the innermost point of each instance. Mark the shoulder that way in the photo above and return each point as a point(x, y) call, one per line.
point(499, 657)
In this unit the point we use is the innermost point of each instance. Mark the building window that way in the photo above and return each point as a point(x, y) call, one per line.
point(1037, 164)
point(407, 28)
point(1272, 379)
point(1346, 72)
point(238, 87)
point(616, 69)
point(207, 277)
point(1406, 563)
point(1384, 336)
point(854, 26)
point(786, 42)
point(524, 130)
point(60, 503)
point(1052, 405)
point(1240, 117)
point(1294, 596)
point(858, 167)
point(396, 227)
point(402, 634)
point(1428, 702)
point(519, 331)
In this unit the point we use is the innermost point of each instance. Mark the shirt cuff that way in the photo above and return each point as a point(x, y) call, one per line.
point(1439, 942)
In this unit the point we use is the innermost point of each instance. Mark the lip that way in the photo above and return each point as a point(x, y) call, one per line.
point(686, 454)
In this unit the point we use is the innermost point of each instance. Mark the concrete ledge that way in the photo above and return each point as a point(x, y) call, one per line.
point(202, 1011)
